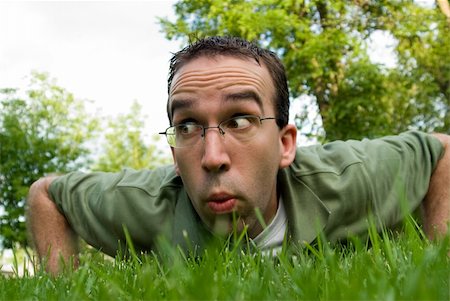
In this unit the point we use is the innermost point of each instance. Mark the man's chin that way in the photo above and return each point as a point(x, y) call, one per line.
point(225, 224)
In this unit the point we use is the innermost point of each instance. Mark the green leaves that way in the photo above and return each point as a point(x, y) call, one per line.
point(126, 144)
point(323, 45)
point(42, 130)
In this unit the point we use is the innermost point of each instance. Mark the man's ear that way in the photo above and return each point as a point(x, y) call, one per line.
point(288, 140)
point(175, 164)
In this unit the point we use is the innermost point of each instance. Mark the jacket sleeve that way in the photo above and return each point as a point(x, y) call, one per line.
point(99, 205)
point(386, 177)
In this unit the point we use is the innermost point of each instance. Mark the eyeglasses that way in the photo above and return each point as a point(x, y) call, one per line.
point(241, 128)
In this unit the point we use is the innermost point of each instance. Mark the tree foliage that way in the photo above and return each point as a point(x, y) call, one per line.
point(324, 47)
point(125, 144)
point(42, 130)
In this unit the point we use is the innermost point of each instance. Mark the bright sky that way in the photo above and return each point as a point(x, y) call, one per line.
point(108, 52)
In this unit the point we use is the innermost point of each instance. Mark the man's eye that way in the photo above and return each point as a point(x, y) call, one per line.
point(241, 122)
point(187, 129)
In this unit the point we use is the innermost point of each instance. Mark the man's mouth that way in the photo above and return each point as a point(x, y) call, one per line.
point(221, 204)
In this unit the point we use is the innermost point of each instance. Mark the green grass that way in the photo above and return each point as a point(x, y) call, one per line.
point(394, 267)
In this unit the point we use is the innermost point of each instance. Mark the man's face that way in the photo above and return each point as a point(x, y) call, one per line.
point(224, 176)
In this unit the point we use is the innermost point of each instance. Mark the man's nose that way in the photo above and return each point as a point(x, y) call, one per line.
point(215, 156)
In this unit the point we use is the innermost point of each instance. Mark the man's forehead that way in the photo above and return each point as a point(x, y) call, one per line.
point(217, 64)
point(239, 76)
point(241, 96)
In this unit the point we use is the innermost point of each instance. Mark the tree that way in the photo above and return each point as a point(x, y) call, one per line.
point(323, 45)
point(43, 130)
point(125, 144)
point(423, 50)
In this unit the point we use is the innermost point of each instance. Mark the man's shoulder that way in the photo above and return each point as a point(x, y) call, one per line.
point(161, 177)
point(336, 156)
point(333, 157)
point(148, 181)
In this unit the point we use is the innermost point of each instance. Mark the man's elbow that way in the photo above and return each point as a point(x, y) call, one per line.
point(436, 205)
point(39, 188)
point(444, 139)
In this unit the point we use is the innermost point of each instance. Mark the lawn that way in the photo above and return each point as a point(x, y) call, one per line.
point(386, 266)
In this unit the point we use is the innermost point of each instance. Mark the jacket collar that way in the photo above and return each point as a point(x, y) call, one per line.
point(307, 214)
point(188, 230)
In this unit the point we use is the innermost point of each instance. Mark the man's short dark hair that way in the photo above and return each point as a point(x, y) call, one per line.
point(237, 47)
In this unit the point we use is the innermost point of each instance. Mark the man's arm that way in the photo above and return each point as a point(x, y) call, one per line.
point(52, 236)
point(436, 205)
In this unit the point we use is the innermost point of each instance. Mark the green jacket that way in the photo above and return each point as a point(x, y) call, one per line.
point(329, 189)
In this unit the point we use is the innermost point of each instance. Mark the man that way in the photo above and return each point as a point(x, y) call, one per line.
point(237, 168)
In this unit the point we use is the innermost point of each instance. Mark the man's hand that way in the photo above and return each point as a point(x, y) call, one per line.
point(436, 205)
point(53, 238)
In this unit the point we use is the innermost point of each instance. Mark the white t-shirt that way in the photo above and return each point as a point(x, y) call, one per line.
point(271, 238)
